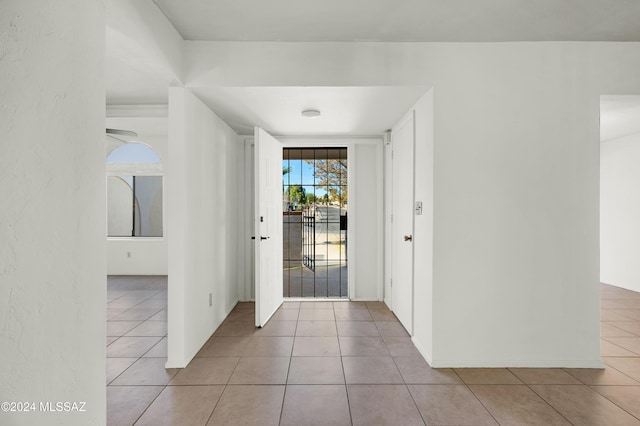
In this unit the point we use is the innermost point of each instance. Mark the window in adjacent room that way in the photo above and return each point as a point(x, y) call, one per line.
point(134, 192)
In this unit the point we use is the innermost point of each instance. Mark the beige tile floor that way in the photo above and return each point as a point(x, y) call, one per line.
point(343, 363)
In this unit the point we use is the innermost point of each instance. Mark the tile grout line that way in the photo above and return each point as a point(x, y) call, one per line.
point(474, 395)
point(406, 385)
point(154, 399)
point(286, 379)
point(151, 403)
point(224, 389)
point(608, 366)
point(548, 403)
point(344, 376)
point(612, 324)
point(139, 357)
point(613, 402)
point(621, 347)
point(592, 388)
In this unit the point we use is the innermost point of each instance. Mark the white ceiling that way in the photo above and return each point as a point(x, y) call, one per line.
point(405, 20)
point(278, 110)
point(128, 83)
point(133, 78)
point(619, 116)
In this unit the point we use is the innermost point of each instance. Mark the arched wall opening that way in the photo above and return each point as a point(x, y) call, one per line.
point(136, 226)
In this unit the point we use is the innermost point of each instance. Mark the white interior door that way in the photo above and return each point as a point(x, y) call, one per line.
point(268, 225)
point(403, 141)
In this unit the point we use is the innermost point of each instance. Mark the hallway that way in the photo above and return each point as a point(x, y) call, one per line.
point(342, 363)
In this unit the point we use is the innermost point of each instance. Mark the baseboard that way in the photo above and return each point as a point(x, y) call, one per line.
point(593, 364)
point(182, 363)
point(315, 299)
point(172, 363)
point(420, 349)
point(440, 363)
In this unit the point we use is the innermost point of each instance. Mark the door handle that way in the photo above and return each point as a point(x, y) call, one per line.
point(264, 238)
point(408, 238)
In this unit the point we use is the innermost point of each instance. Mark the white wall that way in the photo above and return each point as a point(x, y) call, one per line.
point(52, 250)
point(139, 256)
point(366, 218)
point(203, 223)
point(119, 196)
point(620, 212)
point(516, 208)
point(516, 177)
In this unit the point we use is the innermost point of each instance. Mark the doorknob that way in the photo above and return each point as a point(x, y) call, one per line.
point(408, 238)
point(264, 238)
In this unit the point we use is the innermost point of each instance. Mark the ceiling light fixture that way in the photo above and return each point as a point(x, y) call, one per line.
point(121, 132)
point(311, 113)
point(113, 132)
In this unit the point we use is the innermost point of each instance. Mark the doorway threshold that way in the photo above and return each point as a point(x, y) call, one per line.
point(316, 299)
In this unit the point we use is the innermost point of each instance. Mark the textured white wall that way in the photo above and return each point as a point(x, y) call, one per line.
point(203, 220)
point(620, 212)
point(52, 219)
point(516, 178)
point(148, 256)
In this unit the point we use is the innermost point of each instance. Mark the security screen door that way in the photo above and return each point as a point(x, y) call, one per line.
point(268, 225)
point(315, 208)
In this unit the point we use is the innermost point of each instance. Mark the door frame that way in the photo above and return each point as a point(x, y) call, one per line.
point(246, 289)
point(394, 233)
point(388, 213)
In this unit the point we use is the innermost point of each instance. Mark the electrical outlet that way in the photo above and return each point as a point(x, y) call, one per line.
point(210, 299)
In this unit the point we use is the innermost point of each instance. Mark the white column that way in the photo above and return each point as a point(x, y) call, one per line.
point(52, 214)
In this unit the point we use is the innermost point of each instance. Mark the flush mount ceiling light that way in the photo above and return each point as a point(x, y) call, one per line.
point(311, 113)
